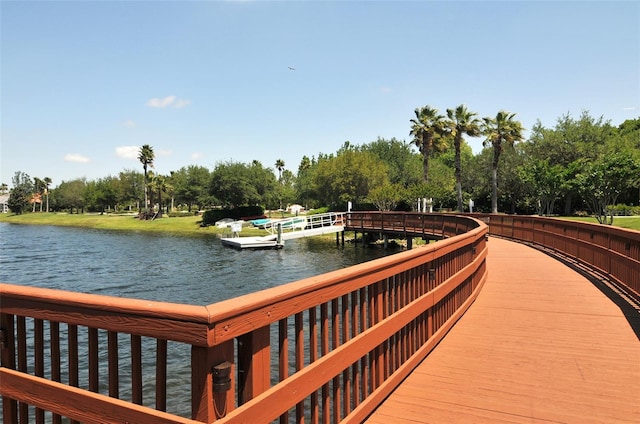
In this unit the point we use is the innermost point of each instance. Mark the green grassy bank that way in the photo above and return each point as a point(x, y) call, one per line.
point(187, 225)
point(629, 222)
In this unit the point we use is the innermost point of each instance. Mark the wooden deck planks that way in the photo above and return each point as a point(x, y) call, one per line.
point(541, 344)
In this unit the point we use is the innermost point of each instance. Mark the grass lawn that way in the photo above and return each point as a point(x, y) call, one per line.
point(187, 225)
point(630, 222)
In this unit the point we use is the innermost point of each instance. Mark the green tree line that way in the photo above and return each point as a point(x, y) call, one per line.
point(581, 165)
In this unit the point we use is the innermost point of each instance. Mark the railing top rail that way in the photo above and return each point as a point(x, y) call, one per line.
point(606, 229)
point(305, 291)
point(146, 308)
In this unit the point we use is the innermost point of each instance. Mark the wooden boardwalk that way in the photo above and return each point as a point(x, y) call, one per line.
point(541, 344)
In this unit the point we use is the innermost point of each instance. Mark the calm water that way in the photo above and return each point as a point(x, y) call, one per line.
point(192, 270)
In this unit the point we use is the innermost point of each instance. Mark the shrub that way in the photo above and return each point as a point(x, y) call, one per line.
point(212, 216)
point(624, 210)
point(178, 214)
point(324, 209)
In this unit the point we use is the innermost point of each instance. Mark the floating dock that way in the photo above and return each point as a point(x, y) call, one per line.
point(264, 242)
point(288, 229)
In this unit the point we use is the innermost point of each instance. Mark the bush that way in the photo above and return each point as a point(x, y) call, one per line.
point(624, 210)
point(178, 214)
point(318, 210)
point(212, 216)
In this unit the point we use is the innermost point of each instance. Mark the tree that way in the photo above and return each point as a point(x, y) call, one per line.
point(4, 188)
point(130, 188)
point(442, 183)
point(146, 156)
point(502, 129)
point(405, 167)
point(280, 168)
point(460, 122)
point(101, 194)
point(20, 194)
point(304, 181)
point(545, 181)
point(427, 129)
point(191, 185)
point(287, 187)
point(569, 144)
point(349, 176)
point(71, 195)
point(387, 196)
point(38, 188)
point(264, 181)
point(47, 182)
point(601, 182)
point(237, 184)
point(514, 191)
point(159, 185)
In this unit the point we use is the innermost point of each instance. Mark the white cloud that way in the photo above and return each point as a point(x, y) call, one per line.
point(129, 124)
point(196, 155)
point(128, 152)
point(164, 152)
point(76, 157)
point(385, 90)
point(182, 103)
point(169, 101)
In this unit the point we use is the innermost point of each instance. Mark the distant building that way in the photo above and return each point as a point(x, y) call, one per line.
point(4, 203)
point(295, 209)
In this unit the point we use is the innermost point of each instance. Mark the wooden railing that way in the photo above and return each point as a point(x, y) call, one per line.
point(612, 251)
point(410, 224)
point(324, 349)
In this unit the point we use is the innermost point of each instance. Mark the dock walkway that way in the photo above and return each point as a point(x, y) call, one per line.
point(289, 229)
point(541, 344)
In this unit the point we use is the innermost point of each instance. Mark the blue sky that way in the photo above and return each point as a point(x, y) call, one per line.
point(84, 83)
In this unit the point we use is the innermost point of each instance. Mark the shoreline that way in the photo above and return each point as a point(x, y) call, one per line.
point(186, 225)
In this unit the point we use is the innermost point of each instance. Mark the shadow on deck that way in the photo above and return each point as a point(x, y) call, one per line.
point(540, 344)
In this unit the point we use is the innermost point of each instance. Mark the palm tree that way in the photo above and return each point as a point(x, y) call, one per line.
point(159, 185)
point(279, 167)
point(426, 129)
point(501, 129)
point(39, 187)
point(145, 156)
point(461, 121)
point(47, 182)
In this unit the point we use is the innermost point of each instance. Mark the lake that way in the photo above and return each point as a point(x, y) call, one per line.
point(192, 270)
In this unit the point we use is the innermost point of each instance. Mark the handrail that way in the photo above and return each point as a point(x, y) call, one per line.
point(330, 346)
point(308, 222)
point(613, 251)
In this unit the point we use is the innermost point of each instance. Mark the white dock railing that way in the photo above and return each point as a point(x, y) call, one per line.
point(303, 223)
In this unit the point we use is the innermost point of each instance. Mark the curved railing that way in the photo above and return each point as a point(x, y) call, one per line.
point(612, 251)
point(328, 348)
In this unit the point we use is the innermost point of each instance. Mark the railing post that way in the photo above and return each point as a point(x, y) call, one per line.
point(207, 406)
point(254, 364)
point(8, 360)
